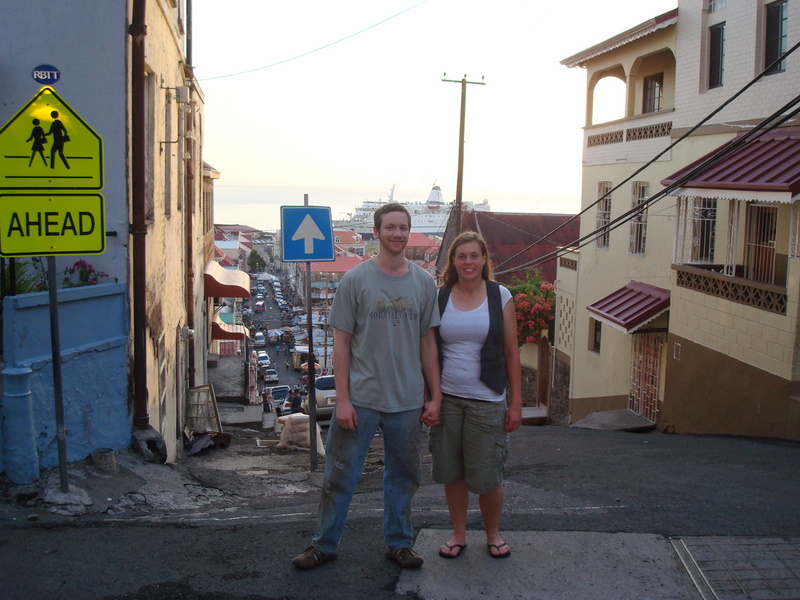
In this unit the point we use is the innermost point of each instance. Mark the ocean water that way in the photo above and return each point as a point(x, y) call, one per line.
point(260, 206)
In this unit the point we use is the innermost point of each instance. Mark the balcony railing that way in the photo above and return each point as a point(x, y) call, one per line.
point(767, 297)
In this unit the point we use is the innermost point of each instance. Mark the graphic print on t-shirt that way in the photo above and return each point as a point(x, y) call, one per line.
point(395, 308)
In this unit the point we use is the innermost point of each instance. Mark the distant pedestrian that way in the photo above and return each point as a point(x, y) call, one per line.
point(286, 364)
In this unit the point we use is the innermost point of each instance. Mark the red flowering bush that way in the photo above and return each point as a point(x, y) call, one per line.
point(535, 302)
point(86, 275)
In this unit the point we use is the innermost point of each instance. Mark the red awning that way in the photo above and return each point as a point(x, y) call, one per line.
point(224, 331)
point(631, 307)
point(770, 163)
point(220, 282)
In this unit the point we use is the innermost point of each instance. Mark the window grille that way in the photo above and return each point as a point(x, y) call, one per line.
point(653, 93)
point(732, 244)
point(645, 375)
point(638, 234)
point(603, 216)
point(794, 239)
point(775, 36)
point(716, 5)
point(704, 224)
point(762, 225)
point(716, 58)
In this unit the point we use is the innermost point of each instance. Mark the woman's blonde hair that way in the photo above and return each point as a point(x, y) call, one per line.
point(450, 275)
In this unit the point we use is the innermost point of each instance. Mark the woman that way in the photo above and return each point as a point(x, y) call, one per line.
point(478, 341)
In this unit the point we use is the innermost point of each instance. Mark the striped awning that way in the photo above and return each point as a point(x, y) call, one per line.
point(219, 282)
point(225, 331)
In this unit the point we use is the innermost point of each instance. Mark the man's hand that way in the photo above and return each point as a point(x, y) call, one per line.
point(430, 411)
point(346, 416)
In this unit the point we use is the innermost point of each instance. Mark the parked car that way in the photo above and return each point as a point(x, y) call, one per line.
point(259, 339)
point(264, 361)
point(270, 376)
point(281, 400)
point(325, 389)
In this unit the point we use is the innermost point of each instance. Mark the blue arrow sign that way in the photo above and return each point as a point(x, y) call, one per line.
point(306, 234)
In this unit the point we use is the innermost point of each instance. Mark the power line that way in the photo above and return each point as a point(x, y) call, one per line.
point(654, 159)
point(285, 60)
point(721, 154)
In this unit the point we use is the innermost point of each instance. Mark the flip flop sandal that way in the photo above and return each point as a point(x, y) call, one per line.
point(498, 547)
point(459, 547)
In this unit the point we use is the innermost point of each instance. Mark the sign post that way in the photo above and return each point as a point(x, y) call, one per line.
point(307, 235)
point(49, 157)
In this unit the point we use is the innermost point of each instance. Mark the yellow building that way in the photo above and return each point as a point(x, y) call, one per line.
point(681, 306)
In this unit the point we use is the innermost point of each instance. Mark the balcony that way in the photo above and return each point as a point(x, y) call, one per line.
point(771, 298)
point(627, 140)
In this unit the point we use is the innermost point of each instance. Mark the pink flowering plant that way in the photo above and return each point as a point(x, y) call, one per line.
point(81, 274)
point(534, 300)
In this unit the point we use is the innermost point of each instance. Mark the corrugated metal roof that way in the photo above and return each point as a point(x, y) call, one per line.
point(770, 163)
point(631, 307)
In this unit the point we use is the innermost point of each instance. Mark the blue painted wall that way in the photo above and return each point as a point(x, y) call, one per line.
point(93, 330)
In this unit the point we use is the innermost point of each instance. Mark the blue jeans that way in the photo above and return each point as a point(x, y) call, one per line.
point(346, 453)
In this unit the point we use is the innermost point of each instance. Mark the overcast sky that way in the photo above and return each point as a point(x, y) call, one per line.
point(349, 94)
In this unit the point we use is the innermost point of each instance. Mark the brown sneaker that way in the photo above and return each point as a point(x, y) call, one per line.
point(312, 557)
point(406, 558)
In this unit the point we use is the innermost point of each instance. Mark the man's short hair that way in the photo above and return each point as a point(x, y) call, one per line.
point(387, 208)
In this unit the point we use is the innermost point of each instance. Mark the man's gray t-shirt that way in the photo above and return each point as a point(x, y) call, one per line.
point(386, 316)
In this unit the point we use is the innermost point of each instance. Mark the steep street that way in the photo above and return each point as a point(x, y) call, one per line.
point(589, 514)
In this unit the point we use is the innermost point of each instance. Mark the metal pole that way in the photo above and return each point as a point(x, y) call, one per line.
point(460, 180)
point(312, 371)
point(58, 388)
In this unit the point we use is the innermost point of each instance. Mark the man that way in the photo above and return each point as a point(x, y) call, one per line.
point(384, 352)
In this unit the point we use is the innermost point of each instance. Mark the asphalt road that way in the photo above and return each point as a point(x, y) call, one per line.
point(561, 482)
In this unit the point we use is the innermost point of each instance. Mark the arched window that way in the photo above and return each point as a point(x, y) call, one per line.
point(608, 102)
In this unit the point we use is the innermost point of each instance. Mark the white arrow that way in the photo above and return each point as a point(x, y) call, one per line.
point(308, 232)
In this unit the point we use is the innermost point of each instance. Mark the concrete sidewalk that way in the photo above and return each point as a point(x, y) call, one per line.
point(624, 566)
point(548, 565)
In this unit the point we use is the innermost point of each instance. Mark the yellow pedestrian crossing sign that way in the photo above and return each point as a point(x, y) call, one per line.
point(48, 146)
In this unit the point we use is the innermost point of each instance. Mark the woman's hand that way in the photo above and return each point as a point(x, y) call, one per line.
point(513, 418)
point(430, 412)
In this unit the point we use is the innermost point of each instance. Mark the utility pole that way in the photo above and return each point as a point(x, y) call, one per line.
point(459, 184)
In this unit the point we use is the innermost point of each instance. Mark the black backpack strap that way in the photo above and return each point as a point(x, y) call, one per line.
point(444, 296)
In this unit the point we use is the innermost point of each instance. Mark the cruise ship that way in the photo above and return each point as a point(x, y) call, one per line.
point(429, 217)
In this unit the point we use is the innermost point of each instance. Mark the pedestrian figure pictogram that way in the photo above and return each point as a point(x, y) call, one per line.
point(39, 140)
point(60, 137)
point(59, 152)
